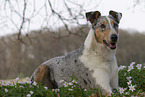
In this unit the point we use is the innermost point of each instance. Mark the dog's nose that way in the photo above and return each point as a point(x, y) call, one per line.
point(114, 37)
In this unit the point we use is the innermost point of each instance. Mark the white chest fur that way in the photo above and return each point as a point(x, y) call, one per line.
point(104, 70)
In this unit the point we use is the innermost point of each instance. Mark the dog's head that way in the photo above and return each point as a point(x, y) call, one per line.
point(105, 27)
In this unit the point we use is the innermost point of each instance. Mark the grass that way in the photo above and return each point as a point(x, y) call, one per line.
point(131, 83)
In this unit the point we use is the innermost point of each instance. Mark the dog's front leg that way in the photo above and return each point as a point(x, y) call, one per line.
point(114, 80)
point(103, 80)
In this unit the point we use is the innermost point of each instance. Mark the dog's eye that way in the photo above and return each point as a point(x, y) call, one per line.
point(103, 26)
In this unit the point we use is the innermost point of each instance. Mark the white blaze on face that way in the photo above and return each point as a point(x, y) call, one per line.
point(112, 30)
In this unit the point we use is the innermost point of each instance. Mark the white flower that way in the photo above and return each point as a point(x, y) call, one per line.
point(144, 67)
point(130, 68)
point(85, 89)
point(121, 90)
point(132, 63)
point(56, 90)
point(34, 83)
point(70, 89)
point(129, 78)
point(65, 84)
point(74, 81)
point(28, 95)
point(139, 66)
point(31, 92)
point(70, 83)
point(131, 88)
point(61, 81)
point(17, 79)
point(127, 93)
point(129, 83)
point(53, 89)
point(121, 68)
point(6, 90)
point(46, 88)
point(21, 86)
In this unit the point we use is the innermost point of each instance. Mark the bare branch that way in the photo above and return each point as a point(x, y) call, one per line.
point(50, 14)
point(23, 20)
point(60, 17)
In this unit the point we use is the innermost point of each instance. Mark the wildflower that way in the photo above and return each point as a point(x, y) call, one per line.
point(127, 93)
point(129, 78)
point(121, 90)
point(132, 63)
point(85, 89)
point(139, 66)
point(53, 89)
point(72, 86)
point(34, 83)
point(61, 81)
point(121, 68)
point(65, 84)
point(129, 83)
point(131, 88)
point(28, 95)
point(6, 90)
point(70, 83)
point(17, 79)
point(70, 89)
point(56, 90)
point(46, 88)
point(21, 86)
point(31, 92)
point(130, 68)
point(74, 81)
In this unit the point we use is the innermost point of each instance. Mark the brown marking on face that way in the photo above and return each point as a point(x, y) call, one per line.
point(102, 35)
point(105, 22)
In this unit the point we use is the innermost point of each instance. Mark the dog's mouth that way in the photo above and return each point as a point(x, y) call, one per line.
point(111, 45)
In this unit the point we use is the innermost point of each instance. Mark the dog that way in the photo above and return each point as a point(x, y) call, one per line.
point(94, 64)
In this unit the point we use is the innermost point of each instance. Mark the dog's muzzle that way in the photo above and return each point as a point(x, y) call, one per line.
point(112, 45)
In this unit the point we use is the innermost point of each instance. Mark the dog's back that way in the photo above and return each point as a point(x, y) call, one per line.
point(62, 68)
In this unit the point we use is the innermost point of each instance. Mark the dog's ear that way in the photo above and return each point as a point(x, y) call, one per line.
point(116, 15)
point(91, 16)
